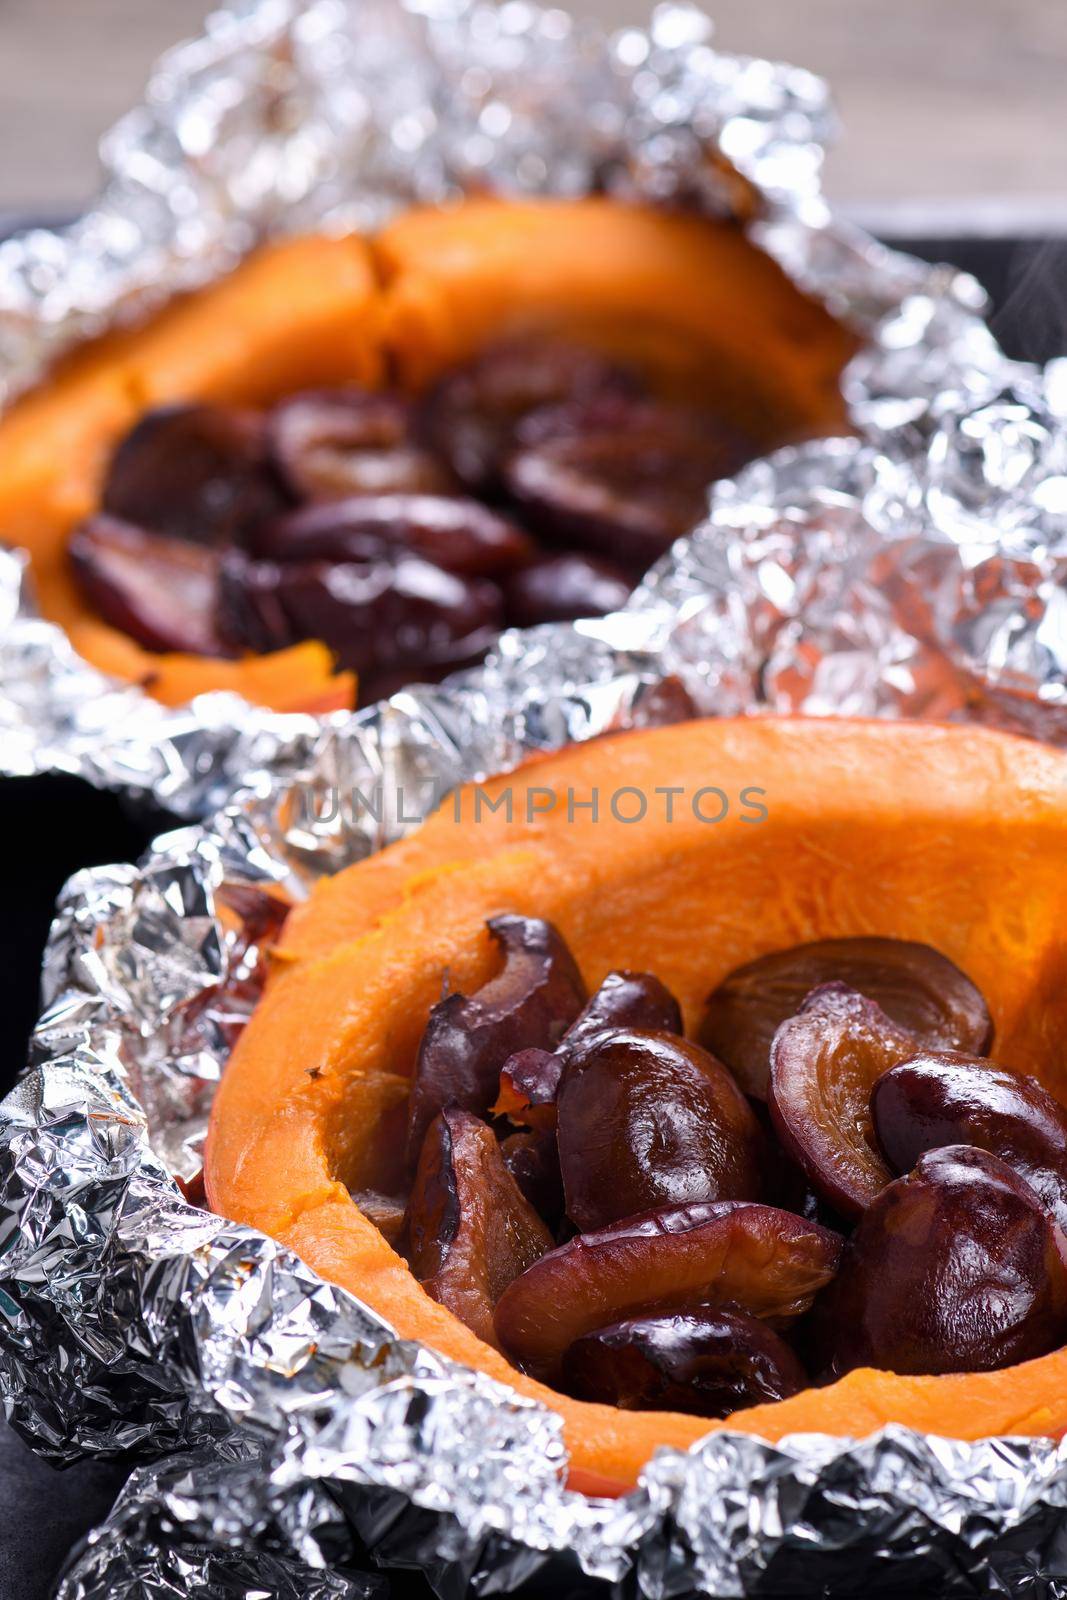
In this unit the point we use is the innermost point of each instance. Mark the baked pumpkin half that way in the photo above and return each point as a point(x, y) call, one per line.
point(650, 1211)
point(306, 460)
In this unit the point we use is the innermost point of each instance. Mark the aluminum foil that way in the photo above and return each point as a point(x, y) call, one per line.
point(334, 114)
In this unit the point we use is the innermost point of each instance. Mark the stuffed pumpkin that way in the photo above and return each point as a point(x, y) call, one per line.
point(366, 456)
point(698, 1077)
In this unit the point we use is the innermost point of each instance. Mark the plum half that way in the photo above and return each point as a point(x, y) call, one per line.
point(648, 1119)
point(916, 987)
point(707, 1361)
point(532, 1001)
point(944, 1097)
point(470, 1230)
point(824, 1063)
point(955, 1268)
point(193, 472)
point(724, 1252)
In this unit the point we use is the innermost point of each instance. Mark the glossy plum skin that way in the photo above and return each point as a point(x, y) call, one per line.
point(562, 588)
point(647, 1120)
point(955, 1268)
point(457, 534)
point(470, 1230)
point(532, 1158)
point(333, 443)
point(160, 591)
point(534, 999)
point(824, 1063)
point(737, 1253)
point(194, 472)
point(470, 417)
point(916, 986)
point(707, 1362)
point(376, 616)
point(944, 1097)
point(625, 1000)
point(628, 490)
point(529, 1081)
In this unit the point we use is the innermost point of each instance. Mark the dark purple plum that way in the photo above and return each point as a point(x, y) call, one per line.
point(955, 1268)
point(647, 1120)
point(161, 591)
point(458, 534)
point(562, 588)
point(470, 1230)
point(532, 1158)
point(376, 616)
point(333, 443)
point(195, 472)
point(706, 1361)
point(915, 986)
point(944, 1097)
point(469, 418)
point(627, 491)
point(532, 1001)
point(824, 1063)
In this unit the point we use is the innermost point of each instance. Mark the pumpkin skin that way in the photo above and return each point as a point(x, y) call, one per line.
point(953, 836)
point(691, 300)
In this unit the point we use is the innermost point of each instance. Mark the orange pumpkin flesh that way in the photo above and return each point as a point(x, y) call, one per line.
point(690, 300)
point(951, 836)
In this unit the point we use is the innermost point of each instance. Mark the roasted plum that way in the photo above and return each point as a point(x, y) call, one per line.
point(529, 1081)
point(532, 1158)
point(159, 590)
point(916, 986)
point(334, 443)
point(824, 1063)
point(627, 491)
point(562, 588)
point(469, 418)
point(374, 615)
point(955, 1268)
point(725, 1252)
point(529, 1086)
point(470, 1230)
point(945, 1098)
point(625, 1000)
point(386, 1211)
point(458, 534)
point(707, 1361)
point(532, 1001)
point(194, 472)
point(649, 1120)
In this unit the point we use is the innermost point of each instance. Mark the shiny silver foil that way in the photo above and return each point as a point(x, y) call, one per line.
point(914, 569)
point(337, 113)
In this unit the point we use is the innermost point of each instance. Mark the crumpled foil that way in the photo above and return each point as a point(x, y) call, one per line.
point(915, 569)
point(336, 113)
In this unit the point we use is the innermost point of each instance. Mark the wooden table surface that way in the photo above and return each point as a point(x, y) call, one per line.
point(942, 100)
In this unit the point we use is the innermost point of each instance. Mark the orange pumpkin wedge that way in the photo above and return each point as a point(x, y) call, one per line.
point(953, 836)
point(691, 300)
